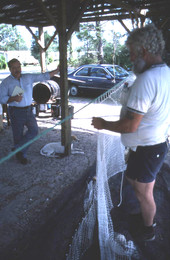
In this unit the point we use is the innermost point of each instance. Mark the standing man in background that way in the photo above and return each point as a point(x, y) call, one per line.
point(145, 121)
point(16, 91)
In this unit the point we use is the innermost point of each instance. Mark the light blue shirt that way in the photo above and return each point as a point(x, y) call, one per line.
point(25, 82)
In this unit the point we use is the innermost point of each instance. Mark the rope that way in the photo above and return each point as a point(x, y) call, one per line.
point(99, 99)
point(121, 189)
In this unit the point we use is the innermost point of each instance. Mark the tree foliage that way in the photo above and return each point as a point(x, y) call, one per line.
point(96, 49)
point(122, 57)
point(3, 63)
point(87, 36)
point(10, 39)
point(108, 51)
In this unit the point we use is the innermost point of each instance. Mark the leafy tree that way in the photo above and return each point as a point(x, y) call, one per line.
point(87, 36)
point(10, 39)
point(70, 51)
point(108, 50)
point(91, 38)
point(122, 57)
point(3, 63)
point(35, 49)
point(99, 42)
point(98, 50)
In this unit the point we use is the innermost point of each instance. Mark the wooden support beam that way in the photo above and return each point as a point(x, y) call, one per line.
point(77, 18)
point(124, 26)
point(165, 21)
point(35, 37)
point(128, 7)
point(42, 50)
point(38, 41)
point(121, 4)
point(66, 125)
point(142, 22)
point(51, 40)
point(106, 18)
point(41, 42)
point(47, 13)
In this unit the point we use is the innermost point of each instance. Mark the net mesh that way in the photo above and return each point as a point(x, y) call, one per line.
point(110, 161)
point(83, 237)
point(98, 202)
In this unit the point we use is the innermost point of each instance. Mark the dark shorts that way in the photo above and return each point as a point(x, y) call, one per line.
point(144, 164)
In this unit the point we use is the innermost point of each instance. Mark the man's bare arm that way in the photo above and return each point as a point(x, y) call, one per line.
point(128, 124)
point(53, 72)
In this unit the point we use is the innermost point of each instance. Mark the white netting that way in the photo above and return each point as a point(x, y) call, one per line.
point(83, 237)
point(98, 202)
point(110, 161)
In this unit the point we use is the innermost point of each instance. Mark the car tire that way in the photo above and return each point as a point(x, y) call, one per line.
point(73, 91)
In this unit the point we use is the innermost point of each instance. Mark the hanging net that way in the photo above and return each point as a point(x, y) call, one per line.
point(98, 202)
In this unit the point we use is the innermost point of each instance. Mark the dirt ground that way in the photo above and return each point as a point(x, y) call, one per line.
point(41, 203)
point(29, 192)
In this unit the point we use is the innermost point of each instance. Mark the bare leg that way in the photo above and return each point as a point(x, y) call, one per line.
point(144, 193)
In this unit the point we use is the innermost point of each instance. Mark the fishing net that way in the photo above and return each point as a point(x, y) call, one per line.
point(110, 161)
point(98, 202)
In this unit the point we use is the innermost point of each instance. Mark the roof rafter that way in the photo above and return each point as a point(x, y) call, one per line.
point(128, 7)
point(77, 18)
point(47, 13)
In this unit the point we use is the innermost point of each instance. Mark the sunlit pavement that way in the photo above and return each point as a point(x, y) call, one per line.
point(85, 109)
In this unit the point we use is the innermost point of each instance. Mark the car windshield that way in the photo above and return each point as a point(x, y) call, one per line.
point(117, 71)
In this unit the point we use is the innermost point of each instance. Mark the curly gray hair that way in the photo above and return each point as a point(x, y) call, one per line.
point(148, 37)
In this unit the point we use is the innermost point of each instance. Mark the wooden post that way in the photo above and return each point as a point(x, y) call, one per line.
point(1, 118)
point(42, 50)
point(66, 126)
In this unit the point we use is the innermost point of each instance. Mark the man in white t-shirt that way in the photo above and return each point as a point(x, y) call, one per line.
point(144, 125)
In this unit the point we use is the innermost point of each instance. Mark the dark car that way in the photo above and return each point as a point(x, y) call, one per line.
point(94, 78)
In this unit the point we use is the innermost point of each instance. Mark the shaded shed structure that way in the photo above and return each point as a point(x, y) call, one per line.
point(65, 16)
